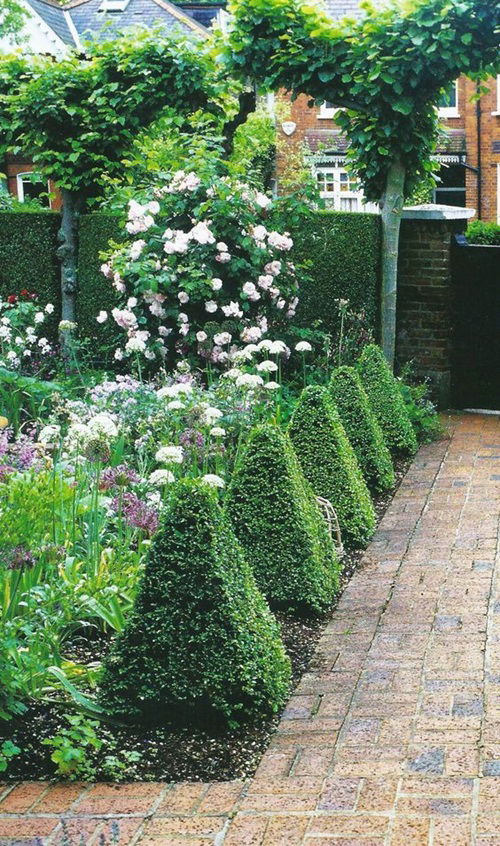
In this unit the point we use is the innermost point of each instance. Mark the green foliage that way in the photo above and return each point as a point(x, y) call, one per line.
point(387, 70)
point(342, 252)
point(280, 527)
point(200, 642)
point(32, 509)
point(386, 401)
point(362, 429)
point(78, 117)
point(12, 18)
point(8, 750)
point(24, 398)
point(72, 746)
point(329, 464)
point(28, 243)
point(10, 684)
point(95, 292)
point(420, 408)
point(479, 232)
point(254, 149)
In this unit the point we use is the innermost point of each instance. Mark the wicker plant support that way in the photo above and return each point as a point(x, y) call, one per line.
point(332, 522)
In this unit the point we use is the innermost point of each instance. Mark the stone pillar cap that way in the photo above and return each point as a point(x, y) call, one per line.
point(433, 211)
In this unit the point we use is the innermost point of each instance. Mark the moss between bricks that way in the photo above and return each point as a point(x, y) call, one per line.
point(279, 524)
point(362, 429)
point(329, 463)
point(197, 592)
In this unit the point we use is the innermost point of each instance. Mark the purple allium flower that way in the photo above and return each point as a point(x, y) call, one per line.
point(192, 438)
point(19, 558)
point(118, 477)
point(137, 513)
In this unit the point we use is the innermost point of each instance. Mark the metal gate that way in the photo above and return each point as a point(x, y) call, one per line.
point(475, 377)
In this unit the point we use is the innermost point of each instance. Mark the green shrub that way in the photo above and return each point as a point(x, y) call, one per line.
point(479, 232)
point(342, 250)
point(420, 408)
point(95, 292)
point(386, 401)
point(28, 244)
point(329, 463)
point(362, 429)
point(200, 641)
point(279, 525)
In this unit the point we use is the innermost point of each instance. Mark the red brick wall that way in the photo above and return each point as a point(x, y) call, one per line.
point(15, 165)
point(307, 118)
point(424, 306)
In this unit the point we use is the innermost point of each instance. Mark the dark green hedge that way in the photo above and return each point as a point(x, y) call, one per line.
point(95, 292)
point(28, 244)
point(343, 250)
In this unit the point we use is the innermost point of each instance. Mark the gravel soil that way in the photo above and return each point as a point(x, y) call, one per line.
point(168, 753)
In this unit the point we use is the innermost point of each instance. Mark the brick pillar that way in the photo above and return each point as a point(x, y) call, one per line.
point(424, 304)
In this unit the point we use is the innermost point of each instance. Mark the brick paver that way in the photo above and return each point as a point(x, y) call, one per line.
point(392, 737)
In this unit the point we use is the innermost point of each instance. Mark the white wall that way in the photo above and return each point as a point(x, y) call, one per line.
point(36, 37)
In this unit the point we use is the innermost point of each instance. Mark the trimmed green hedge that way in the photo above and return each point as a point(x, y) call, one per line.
point(95, 292)
point(200, 642)
point(362, 429)
point(28, 244)
point(343, 251)
point(387, 401)
point(280, 526)
point(329, 464)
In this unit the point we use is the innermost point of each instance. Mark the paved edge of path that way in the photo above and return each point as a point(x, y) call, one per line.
point(392, 737)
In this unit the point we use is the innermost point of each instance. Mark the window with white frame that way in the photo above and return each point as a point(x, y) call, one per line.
point(341, 190)
point(448, 104)
point(31, 187)
point(327, 111)
point(497, 111)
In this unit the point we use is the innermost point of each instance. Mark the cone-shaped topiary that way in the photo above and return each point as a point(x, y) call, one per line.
point(278, 522)
point(200, 642)
point(362, 429)
point(329, 464)
point(386, 401)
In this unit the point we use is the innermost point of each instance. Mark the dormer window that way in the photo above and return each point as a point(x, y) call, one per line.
point(113, 5)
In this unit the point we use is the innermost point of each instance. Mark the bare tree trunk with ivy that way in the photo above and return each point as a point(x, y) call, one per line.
point(392, 207)
point(68, 255)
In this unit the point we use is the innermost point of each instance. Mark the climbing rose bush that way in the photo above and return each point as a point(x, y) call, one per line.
point(202, 271)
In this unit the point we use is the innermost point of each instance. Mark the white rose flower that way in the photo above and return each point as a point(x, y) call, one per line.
point(201, 337)
point(170, 454)
point(49, 308)
point(39, 317)
point(183, 297)
point(222, 338)
point(211, 306)
point(216, 284)
point(102, 316)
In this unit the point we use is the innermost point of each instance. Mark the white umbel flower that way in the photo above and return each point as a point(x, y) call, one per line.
point(170, 455)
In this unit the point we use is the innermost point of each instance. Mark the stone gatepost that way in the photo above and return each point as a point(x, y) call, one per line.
point(425, 293)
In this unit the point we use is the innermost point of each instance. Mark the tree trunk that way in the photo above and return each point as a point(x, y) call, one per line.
point(68, 255)
point(392, 206)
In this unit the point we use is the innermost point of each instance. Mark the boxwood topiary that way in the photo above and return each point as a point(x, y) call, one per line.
point(329, 463)
point(280, 526)
point(201, 643)
point(362, 429)
point(386, 401)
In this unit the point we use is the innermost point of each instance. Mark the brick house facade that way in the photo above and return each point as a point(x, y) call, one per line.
point(469, 150)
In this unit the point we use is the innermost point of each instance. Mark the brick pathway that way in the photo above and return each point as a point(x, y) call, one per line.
point(393, 736)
